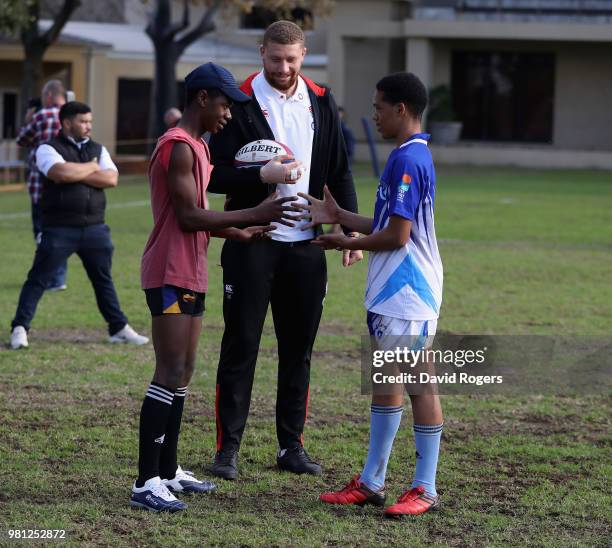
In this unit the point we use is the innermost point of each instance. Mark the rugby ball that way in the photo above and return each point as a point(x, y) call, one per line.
point(259, 153)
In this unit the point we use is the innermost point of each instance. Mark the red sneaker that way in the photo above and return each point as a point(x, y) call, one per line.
point(355, 493)
point(413, 502)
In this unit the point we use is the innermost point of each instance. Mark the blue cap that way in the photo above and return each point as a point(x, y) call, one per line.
point(211, 75)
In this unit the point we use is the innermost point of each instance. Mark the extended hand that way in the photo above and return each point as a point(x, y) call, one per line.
point(254, 233)
point(273, 208)
point(325, 211)
point(335, 240)
point(281, 170)
point(351, 256)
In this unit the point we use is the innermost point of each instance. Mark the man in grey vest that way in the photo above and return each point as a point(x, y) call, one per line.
point(74, 172)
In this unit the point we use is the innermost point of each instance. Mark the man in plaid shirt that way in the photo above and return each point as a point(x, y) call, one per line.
point(40, 127)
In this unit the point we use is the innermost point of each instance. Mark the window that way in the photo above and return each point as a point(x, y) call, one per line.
point(504, 96)
point(260, 18)
point(9, 114)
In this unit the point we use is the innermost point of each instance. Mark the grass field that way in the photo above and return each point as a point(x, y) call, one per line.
point(524, 252)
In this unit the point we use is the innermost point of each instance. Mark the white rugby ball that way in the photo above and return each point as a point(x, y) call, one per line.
point(259, 153)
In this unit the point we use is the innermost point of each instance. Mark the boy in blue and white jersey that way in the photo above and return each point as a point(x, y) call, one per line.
point(406, 282)
point(404, 289)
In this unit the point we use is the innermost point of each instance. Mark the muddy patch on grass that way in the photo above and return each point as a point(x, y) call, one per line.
point(39, 407)
point(573, 426)
point(275, 501)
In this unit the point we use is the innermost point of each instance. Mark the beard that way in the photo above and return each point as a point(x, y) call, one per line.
point(280, 84)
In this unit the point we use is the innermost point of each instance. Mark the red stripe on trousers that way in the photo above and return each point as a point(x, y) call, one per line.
point(219, 428)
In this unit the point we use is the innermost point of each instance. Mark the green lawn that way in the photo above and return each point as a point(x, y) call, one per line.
point(524, 252)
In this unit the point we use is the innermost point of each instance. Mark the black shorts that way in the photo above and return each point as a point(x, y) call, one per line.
point(170, 299)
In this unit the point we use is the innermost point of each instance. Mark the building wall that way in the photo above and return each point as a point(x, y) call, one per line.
point(67, 64)
point(56, 58)
point(583, 80)
point(360, 76)
point(582, 117)
point(583, 101)
point(583, 86)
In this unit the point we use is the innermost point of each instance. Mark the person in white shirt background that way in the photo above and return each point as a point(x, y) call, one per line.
point(74, 171)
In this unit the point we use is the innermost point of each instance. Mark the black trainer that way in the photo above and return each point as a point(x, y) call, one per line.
point(296, 460)
point(225, 465)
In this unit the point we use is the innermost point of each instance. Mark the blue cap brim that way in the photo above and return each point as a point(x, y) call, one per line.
point(236, 95)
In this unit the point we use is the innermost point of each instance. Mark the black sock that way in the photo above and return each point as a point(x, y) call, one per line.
point(154, 416)
point(167, 457)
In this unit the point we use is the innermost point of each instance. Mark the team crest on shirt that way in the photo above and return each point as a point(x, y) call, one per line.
point(404, 186)
point(406, 180)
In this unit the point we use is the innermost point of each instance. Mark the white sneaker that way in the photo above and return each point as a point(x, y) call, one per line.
point(19, 337)
point(156, 497)
point(128, 335)
point(185, 482)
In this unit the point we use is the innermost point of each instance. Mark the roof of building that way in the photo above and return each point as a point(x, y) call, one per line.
point(127, 41)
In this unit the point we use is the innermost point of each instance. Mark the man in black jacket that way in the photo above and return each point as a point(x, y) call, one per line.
point(74, 171)
point(286, 271)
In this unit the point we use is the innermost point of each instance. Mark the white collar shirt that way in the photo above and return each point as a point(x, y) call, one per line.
point(292, 123)
point(47, 157)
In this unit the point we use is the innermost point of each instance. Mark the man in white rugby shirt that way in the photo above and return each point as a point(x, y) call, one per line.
point(285, 272)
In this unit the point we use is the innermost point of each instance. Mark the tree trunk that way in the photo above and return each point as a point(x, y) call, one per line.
point(33, 50)
point(168, 49)
point(35, 44)
point(164, 93)
point(31, 80)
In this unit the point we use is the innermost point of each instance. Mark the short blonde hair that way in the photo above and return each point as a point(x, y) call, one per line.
point(284, 32)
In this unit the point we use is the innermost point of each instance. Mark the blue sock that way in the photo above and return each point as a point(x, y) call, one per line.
point(384, 423)
point(427, 441)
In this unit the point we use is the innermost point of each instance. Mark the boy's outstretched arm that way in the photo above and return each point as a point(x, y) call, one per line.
point(396, 234)
point(191, 218)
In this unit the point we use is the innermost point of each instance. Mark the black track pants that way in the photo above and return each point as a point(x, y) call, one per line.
point(293, 278)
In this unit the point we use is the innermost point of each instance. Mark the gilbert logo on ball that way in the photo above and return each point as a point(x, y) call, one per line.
point(259, 153)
